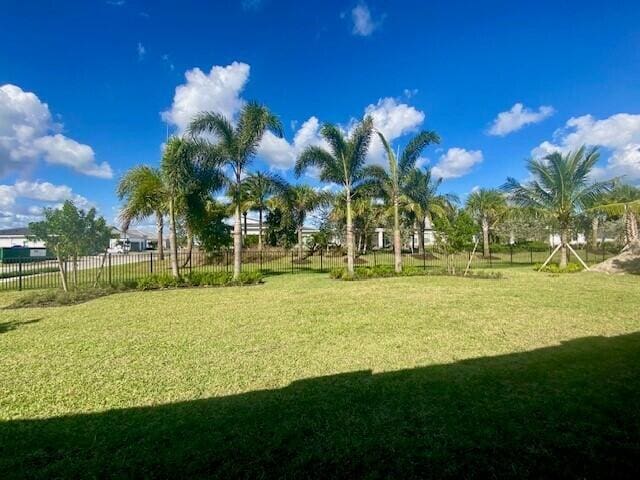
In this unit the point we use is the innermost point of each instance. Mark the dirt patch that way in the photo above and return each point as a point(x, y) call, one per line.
point(628, 261)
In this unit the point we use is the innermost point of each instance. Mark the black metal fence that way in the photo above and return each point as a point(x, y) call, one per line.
point(23, 274)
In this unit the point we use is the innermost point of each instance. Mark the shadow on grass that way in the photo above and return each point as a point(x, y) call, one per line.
point(567, 411)
point(12, 325)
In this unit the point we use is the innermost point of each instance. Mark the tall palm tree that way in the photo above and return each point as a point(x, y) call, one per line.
point(190, 173)
point(342, 164)
point(560, 187)
point(257, 189)
point(623, 201)
point(144, 194)
point(236, 146)
point(391, 183)
point(487, 206)
point(424, 202)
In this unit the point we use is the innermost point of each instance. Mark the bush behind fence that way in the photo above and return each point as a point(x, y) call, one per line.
point(24, 273)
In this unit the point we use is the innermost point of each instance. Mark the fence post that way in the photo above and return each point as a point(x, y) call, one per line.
point(375, 262)
point(226, 260)
point(109, 270)
point(603, 251)
point(291, 261)
point(531, 254)
point(260, 260)
point(151, 262)
point(20, 274)
point(424, 259)
point(511, 253)
point(321, 269)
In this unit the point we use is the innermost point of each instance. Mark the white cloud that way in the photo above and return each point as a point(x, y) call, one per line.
point(217, 91)
point(28, 134)
point(518, 117)
point(456, 162)
point(15, 211)
point(363, 23)
point(141, 51)
point(619, 133)
point(116, 3)
point(281, 154)
point(393, 120)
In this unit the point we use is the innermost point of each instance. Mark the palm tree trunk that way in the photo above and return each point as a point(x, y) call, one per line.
point(260, 229)
point(237, 243)
point(421, 236)
point(594, 232)
point(350, 245)
point(631, 226)
point(160, 229)
point(397, 247)
point(485, 238)
point(244, 236)
point(173, 241)
point(563, 248)
point(300, 250)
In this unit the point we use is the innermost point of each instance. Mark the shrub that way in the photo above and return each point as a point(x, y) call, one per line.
point(157, 280)
point(196, 279)
point(384, 271)
point(59, 298)
point(555, 268)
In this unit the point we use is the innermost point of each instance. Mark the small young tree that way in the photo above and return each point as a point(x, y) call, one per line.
point(454, 234)
point(70, 233)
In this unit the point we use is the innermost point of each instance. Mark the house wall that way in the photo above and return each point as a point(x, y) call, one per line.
point(19, 240)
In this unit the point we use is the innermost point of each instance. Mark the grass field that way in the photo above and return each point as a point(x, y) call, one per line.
point(532, 375)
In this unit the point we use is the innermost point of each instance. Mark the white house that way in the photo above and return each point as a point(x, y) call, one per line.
point(18, 237)
point(132, 240)
point(251, 227)
point(384, 238)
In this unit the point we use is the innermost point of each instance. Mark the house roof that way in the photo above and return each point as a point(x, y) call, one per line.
point(15, 232)
point(130, 233)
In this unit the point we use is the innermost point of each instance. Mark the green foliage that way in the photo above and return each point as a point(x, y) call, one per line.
point(71, 232)
point(197, 279)
point(455, 231)
point(555, 268)
point(60, 298)
point(384, 271)
point(279, 231)
point(561, 185)
point(210, 228)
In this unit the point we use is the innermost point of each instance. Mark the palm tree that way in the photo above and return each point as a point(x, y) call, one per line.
point(298, 201)
point(560, 187)
point(190, 173)
point(144, 194)
point(624, 201)
point(487, 206)
point(391, 183)
point(257, 189)
point(342, 164)
point(424, 202)
point(236, 146)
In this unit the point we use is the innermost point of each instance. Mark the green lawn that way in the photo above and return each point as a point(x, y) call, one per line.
point(528, 376)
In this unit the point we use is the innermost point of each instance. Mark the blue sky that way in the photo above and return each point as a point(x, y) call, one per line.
point(83, 85)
